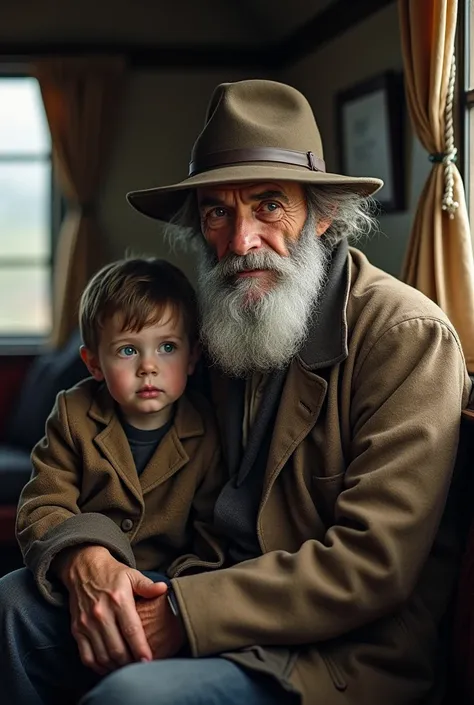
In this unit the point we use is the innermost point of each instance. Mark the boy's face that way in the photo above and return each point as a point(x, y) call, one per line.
point(145, 372)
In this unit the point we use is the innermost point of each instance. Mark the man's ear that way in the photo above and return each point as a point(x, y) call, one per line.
point(194, 356)
point(92, 363)
point(322, 226)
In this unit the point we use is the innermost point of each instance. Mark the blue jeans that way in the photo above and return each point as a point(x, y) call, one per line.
point(40, 664)
point(183, 681)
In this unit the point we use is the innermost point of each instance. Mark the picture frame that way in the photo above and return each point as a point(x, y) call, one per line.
point(370, 128)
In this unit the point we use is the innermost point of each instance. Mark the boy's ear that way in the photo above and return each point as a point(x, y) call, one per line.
point(194, 357)
point(92, 363)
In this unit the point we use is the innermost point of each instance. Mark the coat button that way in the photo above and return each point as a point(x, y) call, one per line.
point(127, 525)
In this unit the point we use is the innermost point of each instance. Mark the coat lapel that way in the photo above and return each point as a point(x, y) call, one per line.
point(113, 444)
point(301, 401)
point(170, 456)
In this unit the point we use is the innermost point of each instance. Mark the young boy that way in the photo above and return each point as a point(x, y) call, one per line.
point(129, 444)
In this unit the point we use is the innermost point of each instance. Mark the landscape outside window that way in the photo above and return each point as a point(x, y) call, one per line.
point(25, 211)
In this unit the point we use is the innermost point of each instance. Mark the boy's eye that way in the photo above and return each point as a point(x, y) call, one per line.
point(127, 351)
point(167, 348)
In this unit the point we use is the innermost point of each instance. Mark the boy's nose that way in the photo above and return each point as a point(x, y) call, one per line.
point(148, 366)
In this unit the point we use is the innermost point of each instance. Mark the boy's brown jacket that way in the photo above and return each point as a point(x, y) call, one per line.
point(84, 477)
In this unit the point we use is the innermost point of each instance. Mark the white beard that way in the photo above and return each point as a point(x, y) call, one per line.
point(247, 327)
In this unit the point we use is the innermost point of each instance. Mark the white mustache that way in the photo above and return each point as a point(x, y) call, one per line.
point(234, 264)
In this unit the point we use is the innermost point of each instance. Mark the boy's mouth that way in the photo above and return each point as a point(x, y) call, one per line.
point(149, 392)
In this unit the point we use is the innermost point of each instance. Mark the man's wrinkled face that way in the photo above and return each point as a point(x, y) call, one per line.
point(243, 218)
point(262, 266)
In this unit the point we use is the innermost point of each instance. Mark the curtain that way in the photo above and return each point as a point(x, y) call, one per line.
point(439, 260)
point(80, 97)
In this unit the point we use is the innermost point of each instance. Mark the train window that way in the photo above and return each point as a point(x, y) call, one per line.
point(26, 212)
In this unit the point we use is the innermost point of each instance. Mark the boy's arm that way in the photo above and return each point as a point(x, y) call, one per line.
point(50, 497)
point(49, 519)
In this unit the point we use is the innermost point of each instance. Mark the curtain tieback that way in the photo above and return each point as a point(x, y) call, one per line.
point(443, 157)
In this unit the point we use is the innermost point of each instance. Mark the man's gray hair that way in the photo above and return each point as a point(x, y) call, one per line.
point(353, 216)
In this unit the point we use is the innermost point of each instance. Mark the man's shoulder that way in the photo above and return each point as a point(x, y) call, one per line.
point(383, 300)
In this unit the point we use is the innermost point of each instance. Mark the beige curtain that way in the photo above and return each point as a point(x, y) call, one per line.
point(439, 260)
point(80, 97)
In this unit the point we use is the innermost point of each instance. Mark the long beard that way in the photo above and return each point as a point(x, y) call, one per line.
point(247, 326)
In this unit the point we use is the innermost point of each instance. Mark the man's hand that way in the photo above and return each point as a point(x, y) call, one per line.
point(164, 631)
point(104, 618)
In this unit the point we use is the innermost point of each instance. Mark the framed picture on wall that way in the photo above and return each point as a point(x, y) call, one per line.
point(370, 120)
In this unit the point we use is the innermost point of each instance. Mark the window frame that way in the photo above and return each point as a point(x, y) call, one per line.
point(11, 345)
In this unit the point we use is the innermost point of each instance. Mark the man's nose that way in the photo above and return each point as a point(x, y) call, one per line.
point(244, 236)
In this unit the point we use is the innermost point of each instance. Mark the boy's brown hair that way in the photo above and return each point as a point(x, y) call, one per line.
point(139, 289)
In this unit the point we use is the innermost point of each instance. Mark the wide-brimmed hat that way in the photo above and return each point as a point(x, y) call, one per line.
point(255, 130)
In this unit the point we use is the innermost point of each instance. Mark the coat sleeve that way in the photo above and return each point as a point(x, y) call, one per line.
point(406, 399)
point(49, 518)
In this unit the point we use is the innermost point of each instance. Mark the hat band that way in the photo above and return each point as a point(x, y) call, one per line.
point(259, 154)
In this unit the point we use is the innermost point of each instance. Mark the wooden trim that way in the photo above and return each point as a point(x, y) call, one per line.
point(321, 29)
point(469, 98)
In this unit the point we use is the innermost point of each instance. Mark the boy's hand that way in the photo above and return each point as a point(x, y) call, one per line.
point(104, 618)
point(164, 632)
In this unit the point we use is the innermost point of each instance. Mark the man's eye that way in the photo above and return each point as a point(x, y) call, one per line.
point(271, 206)
point(167, 348)
point(218, 212)
point(127, 351)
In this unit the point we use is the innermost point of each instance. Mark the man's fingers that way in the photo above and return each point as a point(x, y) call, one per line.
point(115, 645)
point(87, 655)
point(102, 659)
point(148, 589)
point(134, 634)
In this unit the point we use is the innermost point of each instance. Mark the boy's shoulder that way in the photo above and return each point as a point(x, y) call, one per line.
point(81, 396)
point(194, 415)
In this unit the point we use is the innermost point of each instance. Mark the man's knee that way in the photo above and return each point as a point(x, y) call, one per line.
point(16, 590)
point(212, 681)
point(123, 687)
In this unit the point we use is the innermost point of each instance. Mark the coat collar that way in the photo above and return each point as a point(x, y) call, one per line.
point(326, 343)
point(187, 421)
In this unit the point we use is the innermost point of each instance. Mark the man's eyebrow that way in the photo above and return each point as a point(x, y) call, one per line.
point(265, 195)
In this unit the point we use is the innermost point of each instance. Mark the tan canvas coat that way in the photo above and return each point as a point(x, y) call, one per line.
point(344, 603)
point(85, 483)
point(350, 590)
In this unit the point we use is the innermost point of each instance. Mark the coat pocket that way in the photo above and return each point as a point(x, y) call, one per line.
point(325, 491)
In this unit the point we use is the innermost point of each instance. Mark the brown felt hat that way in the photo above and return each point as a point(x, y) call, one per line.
point(255, 130)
